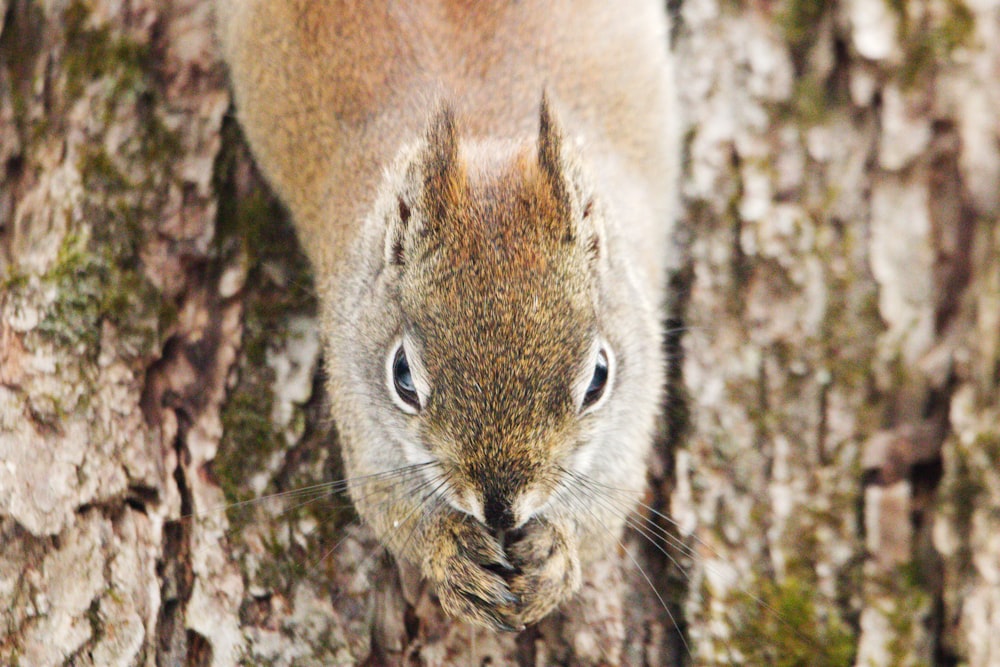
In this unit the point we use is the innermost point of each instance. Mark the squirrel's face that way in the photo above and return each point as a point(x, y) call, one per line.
point(500, 362)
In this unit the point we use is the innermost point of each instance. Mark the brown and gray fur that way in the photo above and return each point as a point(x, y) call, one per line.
point(504, 235)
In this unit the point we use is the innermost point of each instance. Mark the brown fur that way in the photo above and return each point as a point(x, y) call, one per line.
point(329, 89)
point(445, 202)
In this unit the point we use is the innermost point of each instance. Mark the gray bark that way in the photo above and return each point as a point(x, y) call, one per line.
point(831, 448)
point(841, 464)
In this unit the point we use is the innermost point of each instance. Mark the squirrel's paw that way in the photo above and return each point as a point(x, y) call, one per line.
point(548, 569)
point(467, 567)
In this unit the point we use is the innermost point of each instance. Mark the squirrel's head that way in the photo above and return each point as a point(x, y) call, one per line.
point(499, 351)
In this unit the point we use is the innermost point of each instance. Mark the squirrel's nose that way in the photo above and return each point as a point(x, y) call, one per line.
point(498, 512)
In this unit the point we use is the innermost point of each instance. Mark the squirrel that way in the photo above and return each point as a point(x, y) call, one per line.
point(486, 192)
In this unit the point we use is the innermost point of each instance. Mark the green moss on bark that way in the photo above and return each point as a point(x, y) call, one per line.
point(963, 490)
point(253, 229)
point(245, 226)
point(780, 624)
point(93, 285)
point(799, 20)
point(930, 42)
point(98, 276)
point(95, 52)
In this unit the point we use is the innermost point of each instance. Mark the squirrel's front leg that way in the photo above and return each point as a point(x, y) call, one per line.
point(545, 557)
point(475, 579)
point(469, 571)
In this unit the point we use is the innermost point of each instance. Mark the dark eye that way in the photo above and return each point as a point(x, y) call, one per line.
point(598, 382)
point(402, 380)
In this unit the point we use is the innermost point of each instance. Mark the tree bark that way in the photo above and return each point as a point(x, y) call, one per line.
point(830, 461)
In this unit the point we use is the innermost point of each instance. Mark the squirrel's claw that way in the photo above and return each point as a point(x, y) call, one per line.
point(548, 569)
point(464, 570)
point(477, 581)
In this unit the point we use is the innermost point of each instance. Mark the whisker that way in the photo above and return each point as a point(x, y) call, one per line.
point(627, 496)
point(626, 507)
point(440, 499)
point(322, 489)
point(419, 487)
point(584, 507)
point(650, 533)
point(259, 536)
point(685, 328)
point(440, 480)
point(592, 485)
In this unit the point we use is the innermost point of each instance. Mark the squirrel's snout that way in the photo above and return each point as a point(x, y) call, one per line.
point(498, 511)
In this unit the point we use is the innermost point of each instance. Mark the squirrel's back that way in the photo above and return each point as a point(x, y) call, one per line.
point(328, 90)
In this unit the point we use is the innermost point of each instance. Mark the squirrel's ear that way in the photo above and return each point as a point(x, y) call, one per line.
point(550, 158)
point(442, 170)
point(432, 182)
point(573, 196)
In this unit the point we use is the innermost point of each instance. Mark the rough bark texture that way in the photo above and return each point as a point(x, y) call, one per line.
point(831, 453)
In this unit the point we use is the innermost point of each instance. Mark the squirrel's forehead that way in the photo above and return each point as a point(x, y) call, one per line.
point(525, 298)
point(508, 369)
point(499, 287)
point(503, 355)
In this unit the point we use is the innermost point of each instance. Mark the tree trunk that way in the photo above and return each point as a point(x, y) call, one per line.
point(831, 451)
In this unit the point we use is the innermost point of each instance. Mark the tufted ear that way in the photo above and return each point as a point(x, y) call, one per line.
point(550, 162)
point(443, 173)
point(431, 183)
point(572, 193)
point(550, 138)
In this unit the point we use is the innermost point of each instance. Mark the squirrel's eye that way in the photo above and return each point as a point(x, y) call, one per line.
point(598, 382)
point(402, 380)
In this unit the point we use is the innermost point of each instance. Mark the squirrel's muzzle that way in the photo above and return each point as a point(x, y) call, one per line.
point(498, 511)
